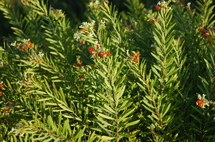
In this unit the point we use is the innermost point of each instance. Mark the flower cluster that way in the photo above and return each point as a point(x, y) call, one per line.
point(22, 127)
point(162, 4)
point(80, 67)
point(135, 57)
point(86, 29)
point(79, 63)
point(34, 58)
point(202, 102)
point(5, 111)
point(96, 51)
point(57, 13)
point(94, 4)
point(25, 45)
point(102, 24)
point(27, 81)
point(85, 26)
point(205, 33)
point(17, 132)
point(152, 19)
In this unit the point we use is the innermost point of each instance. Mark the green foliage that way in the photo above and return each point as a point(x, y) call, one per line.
point(120, 76)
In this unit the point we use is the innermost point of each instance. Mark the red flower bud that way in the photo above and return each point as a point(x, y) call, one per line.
point(25, 1)
point(135, 60)
point(208, 41)
point(127, 29)
point(83, 29)
point(101, 54)
point(91, 49)
point(205, 34)
point(1, 86)
point(107, 53)
point(158, 7)
point(201, 30)
point(5, 110)
point(22, 47)
point(150, 20)
point(81, 76)
point(199, 103)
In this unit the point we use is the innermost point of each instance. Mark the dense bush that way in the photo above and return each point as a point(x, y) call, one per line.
point(130, 76)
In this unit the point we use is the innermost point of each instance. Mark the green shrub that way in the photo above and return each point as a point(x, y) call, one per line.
point(130, 76)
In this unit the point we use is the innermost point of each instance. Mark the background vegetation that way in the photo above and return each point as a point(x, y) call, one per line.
point(136, 74)
point(75, 10)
